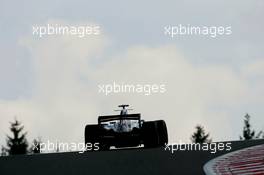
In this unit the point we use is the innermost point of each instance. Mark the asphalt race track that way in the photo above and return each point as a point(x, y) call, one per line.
point(155, 161)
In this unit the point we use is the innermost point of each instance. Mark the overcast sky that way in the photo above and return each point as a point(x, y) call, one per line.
point(51, 83)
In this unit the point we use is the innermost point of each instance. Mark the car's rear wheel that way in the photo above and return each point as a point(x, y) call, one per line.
point(150, 135)
point(162, 132)
point(154, 134)
point(91, 134)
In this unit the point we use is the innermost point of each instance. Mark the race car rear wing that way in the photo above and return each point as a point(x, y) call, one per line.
point(118, 117)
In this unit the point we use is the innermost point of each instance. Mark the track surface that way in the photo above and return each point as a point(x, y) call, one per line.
point(117, 162)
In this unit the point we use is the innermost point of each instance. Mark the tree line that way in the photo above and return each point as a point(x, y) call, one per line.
point(200, 135)
point(18, 144)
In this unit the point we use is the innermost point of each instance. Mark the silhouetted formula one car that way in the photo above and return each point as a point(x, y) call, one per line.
point(126, 130)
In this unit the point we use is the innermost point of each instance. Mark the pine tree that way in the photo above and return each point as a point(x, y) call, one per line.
point(35, 148)
point(199, 136)
point(18, 143)
point(249, 133)
point(3, 151)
